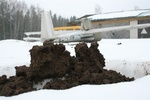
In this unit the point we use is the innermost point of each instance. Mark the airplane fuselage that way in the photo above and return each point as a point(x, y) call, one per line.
point(80, 38)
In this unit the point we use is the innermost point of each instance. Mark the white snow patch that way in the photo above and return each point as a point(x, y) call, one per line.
point(130, 58)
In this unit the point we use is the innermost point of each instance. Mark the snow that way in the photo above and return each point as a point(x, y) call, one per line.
point(130, 57)
point(14, 53)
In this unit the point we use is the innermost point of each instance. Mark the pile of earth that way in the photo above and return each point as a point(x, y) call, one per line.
point(53, 61)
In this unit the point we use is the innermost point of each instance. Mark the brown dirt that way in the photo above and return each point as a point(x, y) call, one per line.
point(54, 62)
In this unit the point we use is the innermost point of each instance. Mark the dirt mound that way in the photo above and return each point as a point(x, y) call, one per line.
point(54, 62)
point(14, 85)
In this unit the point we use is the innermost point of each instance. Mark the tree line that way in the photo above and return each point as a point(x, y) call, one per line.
point(16, 18)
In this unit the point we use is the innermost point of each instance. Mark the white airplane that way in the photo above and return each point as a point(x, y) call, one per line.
point(86, 34)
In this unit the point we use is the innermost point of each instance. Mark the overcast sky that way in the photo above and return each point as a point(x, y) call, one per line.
point(78, 8)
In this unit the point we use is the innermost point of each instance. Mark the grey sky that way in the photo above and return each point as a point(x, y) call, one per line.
point(79, 8)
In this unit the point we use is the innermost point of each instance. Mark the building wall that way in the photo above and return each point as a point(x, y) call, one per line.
point(134, 33)
point(114, 34)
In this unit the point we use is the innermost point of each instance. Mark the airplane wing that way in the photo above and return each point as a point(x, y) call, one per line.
point(32, 33)
point(118, 28)
point(28, 38)
point(99, 30)
point(31, 39)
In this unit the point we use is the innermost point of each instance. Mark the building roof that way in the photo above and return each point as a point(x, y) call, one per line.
point(121, 14)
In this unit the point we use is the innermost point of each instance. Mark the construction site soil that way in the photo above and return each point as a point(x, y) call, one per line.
point(53, 61)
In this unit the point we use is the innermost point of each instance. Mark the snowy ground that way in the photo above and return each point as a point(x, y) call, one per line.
point(130, 57)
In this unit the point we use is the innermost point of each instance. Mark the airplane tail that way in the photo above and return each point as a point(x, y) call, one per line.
point(47, 29)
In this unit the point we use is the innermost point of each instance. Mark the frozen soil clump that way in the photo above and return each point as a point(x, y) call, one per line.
point(53, 61)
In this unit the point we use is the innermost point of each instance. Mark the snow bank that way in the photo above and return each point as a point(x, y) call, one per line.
point(127, 56)
point(14, 53)
point(130, 57)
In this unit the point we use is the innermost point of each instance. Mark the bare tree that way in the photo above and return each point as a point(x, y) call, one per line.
point(97, 9)
point(3, 10)
point(136, 7)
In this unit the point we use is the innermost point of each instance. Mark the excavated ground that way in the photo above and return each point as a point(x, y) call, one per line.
point(53, 61)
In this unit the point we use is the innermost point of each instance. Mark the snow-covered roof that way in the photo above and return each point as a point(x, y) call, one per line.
point(121, 14)
point(146, 13)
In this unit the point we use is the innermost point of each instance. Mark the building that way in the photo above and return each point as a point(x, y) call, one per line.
point(121, 18)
